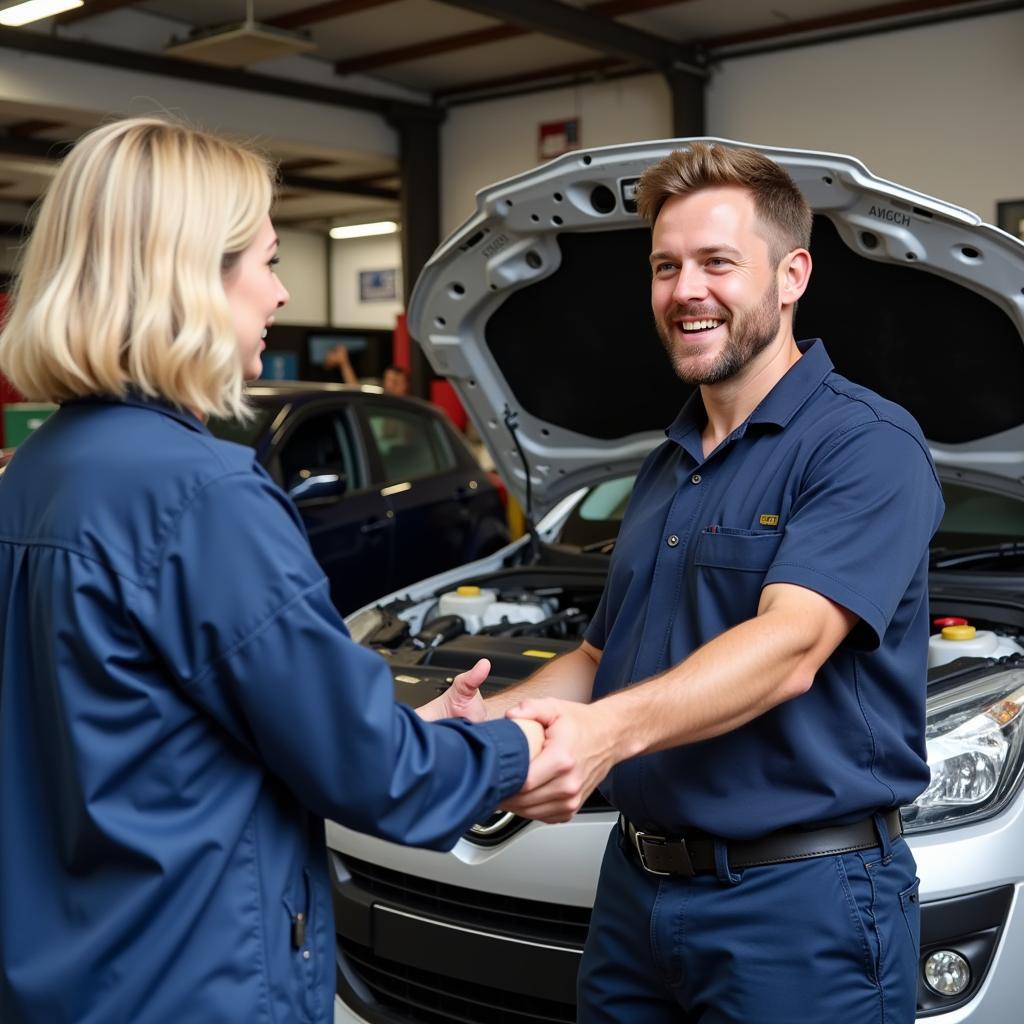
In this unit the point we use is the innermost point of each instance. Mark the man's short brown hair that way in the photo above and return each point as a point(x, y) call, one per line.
point(780, 205)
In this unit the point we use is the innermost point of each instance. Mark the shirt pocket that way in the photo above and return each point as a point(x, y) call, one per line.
point(724, 547)
point(729, 571)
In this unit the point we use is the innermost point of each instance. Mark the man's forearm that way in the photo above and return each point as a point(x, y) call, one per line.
point(734, 678)
point(730, 680)
point(569, 677)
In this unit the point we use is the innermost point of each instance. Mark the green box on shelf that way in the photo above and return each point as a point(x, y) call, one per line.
point(21, 418)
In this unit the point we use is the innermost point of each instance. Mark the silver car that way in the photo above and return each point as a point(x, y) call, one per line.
point(537, 311)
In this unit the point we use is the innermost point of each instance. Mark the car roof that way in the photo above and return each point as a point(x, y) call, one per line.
point(281, 392)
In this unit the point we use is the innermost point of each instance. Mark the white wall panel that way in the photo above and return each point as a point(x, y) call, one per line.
point(303, 269)
point(485, 142)
point(348, 258)
point(936, 108)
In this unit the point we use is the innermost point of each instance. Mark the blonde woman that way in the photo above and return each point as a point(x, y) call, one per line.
point(180, 705)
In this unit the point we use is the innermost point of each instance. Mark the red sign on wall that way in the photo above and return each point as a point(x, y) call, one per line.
point(558, 137)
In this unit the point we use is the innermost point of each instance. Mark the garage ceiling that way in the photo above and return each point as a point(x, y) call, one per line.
point(426, 53)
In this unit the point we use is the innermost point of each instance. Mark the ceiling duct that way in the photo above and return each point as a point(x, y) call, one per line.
point(239, 44)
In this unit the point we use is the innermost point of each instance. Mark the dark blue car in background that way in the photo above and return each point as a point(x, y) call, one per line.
point(387, 488)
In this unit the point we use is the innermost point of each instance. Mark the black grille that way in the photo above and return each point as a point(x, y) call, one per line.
point(413, 996)
point(533, 920)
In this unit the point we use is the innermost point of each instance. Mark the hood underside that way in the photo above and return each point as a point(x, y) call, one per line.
point(538, 311)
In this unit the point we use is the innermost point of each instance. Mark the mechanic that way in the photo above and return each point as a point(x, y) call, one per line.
point(180, 703)
point(751, 688)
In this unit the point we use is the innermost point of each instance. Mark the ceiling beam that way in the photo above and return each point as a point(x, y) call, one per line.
point(844, 19)
point(585, 28)
point(35, 149)
point(619, 8)
point(560, 72)
point(339, 186)
point(44, 150)
point(192, 71)
point(431, 48)
point(323, 12)
point(90, 10)
point(26, 129)
point(481, 37)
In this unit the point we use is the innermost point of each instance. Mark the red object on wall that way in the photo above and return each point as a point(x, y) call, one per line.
point(401, 344)
point(442, 394)
point(7, 393)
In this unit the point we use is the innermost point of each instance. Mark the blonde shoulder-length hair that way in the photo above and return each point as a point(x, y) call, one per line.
point(121, 284)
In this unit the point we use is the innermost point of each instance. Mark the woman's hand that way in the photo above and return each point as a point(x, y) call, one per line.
point(462, 699)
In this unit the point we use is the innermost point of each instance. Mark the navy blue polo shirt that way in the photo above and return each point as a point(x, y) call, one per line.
point(827, 486)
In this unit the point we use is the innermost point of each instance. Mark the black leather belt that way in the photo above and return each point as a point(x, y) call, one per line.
point(665, 855)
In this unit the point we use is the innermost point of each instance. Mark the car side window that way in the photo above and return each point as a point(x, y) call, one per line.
point(410, 445)
point(318, 449)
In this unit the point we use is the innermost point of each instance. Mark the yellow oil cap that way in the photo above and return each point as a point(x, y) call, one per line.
point(958, 632)
point(472, 592)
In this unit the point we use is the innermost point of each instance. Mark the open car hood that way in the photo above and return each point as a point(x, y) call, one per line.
point(538, 311)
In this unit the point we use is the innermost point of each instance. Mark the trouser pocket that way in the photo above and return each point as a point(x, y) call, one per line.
point(892, 921)
point(910, 904)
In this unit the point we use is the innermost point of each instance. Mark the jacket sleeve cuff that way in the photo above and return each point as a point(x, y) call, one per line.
point(513, 754)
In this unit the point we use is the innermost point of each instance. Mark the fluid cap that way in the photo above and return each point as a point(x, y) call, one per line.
point(468, 591)
point(949, 620)
point(958, 632)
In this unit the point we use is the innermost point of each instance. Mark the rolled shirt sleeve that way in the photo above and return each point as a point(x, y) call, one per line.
point(242, 618)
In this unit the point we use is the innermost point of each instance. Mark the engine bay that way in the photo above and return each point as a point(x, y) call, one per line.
point(519, 616)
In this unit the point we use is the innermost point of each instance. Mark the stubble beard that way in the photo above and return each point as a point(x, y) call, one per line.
point(749, 335)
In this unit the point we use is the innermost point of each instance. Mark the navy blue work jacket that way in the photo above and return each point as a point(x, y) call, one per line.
point(827, 486)
point(180, 708)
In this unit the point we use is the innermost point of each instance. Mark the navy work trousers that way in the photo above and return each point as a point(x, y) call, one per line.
point(828, 940)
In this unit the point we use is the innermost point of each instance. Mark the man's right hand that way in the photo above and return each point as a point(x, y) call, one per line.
point(580, 748)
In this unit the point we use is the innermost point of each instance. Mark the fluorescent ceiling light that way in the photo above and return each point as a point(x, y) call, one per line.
point(380, 227)
point(35, 10)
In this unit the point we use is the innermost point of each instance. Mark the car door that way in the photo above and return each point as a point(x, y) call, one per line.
point(321, 465)
point(427, 486)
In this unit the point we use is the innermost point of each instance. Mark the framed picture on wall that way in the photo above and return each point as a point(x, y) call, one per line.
point(1010, 216)
point(378, 285)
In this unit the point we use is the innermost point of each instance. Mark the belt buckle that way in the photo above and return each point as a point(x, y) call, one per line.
point(646, 836)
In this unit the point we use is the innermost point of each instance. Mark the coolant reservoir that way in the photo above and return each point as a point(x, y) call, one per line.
point(514, 612)
point(469, 602)
point(964, 641)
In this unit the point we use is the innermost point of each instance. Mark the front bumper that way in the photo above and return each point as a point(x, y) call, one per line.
point(478, 936)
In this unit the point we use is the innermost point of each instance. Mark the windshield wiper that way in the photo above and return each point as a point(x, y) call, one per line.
point(945, 558)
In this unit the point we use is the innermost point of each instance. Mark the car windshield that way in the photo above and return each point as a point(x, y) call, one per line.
point(248, 432)
point(981, 531)
point(594, 522)
point(985, 525)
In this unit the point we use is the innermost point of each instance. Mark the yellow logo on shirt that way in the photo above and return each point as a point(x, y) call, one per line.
point(768, 520)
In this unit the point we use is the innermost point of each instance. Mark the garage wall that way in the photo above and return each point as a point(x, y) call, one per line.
point(485, 142)
point(303, 269)
point(936, 108)
point(348, 258)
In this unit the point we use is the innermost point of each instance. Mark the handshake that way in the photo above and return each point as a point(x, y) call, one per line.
point(571, 744)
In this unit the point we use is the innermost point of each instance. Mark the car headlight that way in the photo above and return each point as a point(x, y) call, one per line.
point(975, 736)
